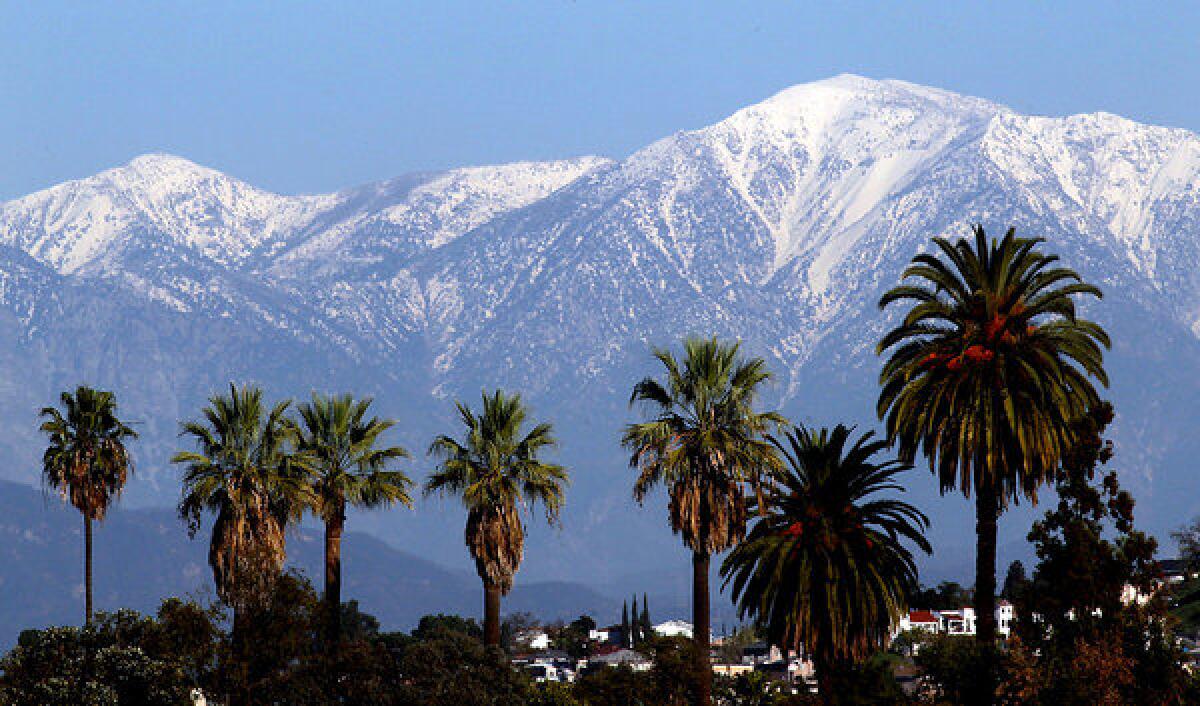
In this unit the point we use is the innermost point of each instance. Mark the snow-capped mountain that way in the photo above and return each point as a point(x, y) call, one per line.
point(780, 225)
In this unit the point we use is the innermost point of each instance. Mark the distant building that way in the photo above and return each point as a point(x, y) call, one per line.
point(674, 628)
point(636, 661)
point(923, 620)
point(957, 622)
point(535, 639)
point(1006, 618)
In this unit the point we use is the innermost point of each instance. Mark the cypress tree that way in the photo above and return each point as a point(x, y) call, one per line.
point(636, 637)
point(647, 628)
point(625, 633)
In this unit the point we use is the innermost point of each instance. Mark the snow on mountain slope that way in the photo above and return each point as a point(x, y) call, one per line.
point(81, 224)
point(780, 225)
point(410, 215)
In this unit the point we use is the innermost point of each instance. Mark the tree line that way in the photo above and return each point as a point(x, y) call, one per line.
point(987, 372)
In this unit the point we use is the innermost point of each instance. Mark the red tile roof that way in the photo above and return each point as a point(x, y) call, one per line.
point(921, 616)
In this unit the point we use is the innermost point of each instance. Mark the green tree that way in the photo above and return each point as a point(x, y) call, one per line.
point(1015, 581)
point(339, 444)
point(1093, 644)
point(947, 595)
point(615, 686)
point(243, 473)
point(703, 445)
point(827, 567)
point(452, 669)
point(86, 461)
point(120, 659)
point(495, 468)
point(644, 621)
point(575, 638)
point(985, 373)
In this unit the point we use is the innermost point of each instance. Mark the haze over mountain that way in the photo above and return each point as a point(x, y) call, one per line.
point(780, 225)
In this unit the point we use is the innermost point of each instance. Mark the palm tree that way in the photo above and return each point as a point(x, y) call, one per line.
point(86, 461)
point(494, 469)
point(827, 567)
point(242, 472)
point(339, 444)
point(703, 445)
point(985, 375)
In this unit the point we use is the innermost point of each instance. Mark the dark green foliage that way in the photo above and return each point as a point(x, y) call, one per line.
point(453, 669)
point(122, 659)
point(615, 686)
point(1090, 644)
point(553, 694)
point(432, 626)
point(644, 622)
point(1015, 581)
point(948, 595)
point(358, 626)
point(828, 565)
point(676, 675)
point(573, 638)
point(871, 682)
point(950, 667)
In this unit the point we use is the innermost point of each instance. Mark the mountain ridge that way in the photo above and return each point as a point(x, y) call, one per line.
point(779, 225)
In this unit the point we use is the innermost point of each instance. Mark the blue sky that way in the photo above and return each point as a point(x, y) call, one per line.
point(310, 97)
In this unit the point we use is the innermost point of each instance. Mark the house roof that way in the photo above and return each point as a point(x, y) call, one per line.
point(621, 656)
point(921, 616)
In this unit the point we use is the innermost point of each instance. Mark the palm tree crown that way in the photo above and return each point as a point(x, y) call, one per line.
point(986, 374)
point(990, 365)
point(242, 473)
point(704, 445)
point(339, 444)
point(705, 440)
point(86, 460)
point(494, 469)
point(826, 567)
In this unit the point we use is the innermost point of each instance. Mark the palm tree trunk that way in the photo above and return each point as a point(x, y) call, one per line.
point(702, 632)
point(824, 675)
point(987, 513)
point(238, 672)
point(87, 569)
point(491, 614)
point(333, 579)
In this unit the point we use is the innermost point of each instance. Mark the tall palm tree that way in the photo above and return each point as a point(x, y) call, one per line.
point(242, 472)
point(340, 446)
point(495, 468)
point(827, 566)
point(704, 445)
point(985, 375)
point(86, 461)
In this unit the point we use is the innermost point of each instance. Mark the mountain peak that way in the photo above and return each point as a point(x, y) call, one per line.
point(855, 95)
point(161, 160)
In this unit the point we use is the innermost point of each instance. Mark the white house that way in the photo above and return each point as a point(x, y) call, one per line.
point(957, 622)
point(636, 661)
point(536, 639)
point(674, 628)
point(1005, 618)
point(923, 620)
